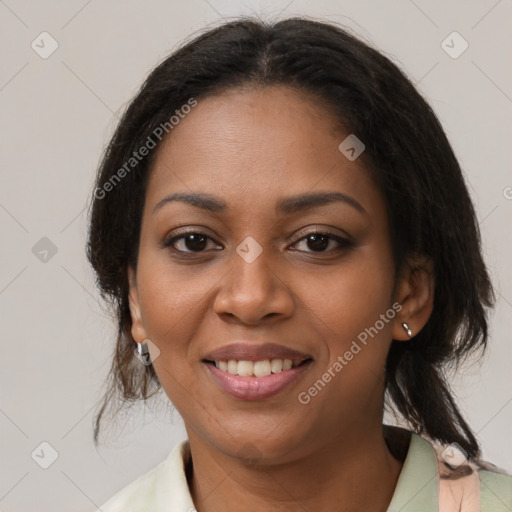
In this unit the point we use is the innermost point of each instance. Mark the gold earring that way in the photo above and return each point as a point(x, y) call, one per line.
point(407, 330)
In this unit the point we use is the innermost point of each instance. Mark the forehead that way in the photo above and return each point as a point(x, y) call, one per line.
point(253, 146)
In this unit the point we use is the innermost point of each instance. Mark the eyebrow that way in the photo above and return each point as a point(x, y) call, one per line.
point(287, 205)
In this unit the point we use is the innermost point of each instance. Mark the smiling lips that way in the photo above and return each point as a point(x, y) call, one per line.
point(254, 372)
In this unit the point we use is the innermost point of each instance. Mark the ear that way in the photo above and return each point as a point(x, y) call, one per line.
point(415, 293)
point(138, 330)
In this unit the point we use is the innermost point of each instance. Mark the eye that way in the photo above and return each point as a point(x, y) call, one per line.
point(190, 242)
point(196, 242)
point(321, 241)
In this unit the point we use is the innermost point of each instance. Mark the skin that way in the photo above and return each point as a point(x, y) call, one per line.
point(250, 148)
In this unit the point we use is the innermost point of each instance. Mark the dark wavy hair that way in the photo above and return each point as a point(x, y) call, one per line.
point(407, 153)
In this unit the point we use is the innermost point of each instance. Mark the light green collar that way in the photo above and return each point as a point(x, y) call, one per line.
point(417, 486)
point(165, 487)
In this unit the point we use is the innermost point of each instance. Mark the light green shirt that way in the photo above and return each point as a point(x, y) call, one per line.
point(165, 488)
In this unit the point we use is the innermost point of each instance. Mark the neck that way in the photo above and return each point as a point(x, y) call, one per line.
point(355, 471)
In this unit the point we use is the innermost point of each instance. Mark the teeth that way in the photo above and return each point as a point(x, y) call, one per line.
point(276, 365)
point(232, 366)
point(245, 368)
point(261, 368)
point(255, 369)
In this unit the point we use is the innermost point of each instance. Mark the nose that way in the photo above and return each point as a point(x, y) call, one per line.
point(253, 291)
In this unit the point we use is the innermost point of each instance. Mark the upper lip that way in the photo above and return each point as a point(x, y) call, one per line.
point(249, 351)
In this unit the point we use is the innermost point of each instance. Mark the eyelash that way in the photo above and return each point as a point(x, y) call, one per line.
point(344, 243)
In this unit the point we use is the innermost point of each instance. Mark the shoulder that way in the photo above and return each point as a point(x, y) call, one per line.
point(134, 495)
point(438, 476)
point(495, 490)
point(163, 488)
point(476, 480)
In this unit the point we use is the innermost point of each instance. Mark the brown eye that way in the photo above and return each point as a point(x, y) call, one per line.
point(189, 242)
point(322, 242)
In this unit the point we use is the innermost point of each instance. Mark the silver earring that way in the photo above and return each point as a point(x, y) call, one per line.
point(407, 329)
point(143, 351)
point(142, 348)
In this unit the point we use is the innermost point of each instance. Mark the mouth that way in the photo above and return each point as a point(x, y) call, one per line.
point(256, 380)
point(257, 369)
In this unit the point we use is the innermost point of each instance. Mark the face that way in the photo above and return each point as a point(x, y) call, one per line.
point(249, 265)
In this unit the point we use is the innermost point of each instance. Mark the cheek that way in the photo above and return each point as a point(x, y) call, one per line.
point(171, 295)
point(172, 308)
point(172, 305)
point(353, 314)
point(350, 299)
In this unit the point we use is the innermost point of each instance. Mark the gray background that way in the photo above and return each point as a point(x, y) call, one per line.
point(57, 114)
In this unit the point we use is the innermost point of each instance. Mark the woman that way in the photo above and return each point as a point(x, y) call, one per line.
point(288, 240)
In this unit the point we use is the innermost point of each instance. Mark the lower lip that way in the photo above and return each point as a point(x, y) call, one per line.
point(256, 388)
